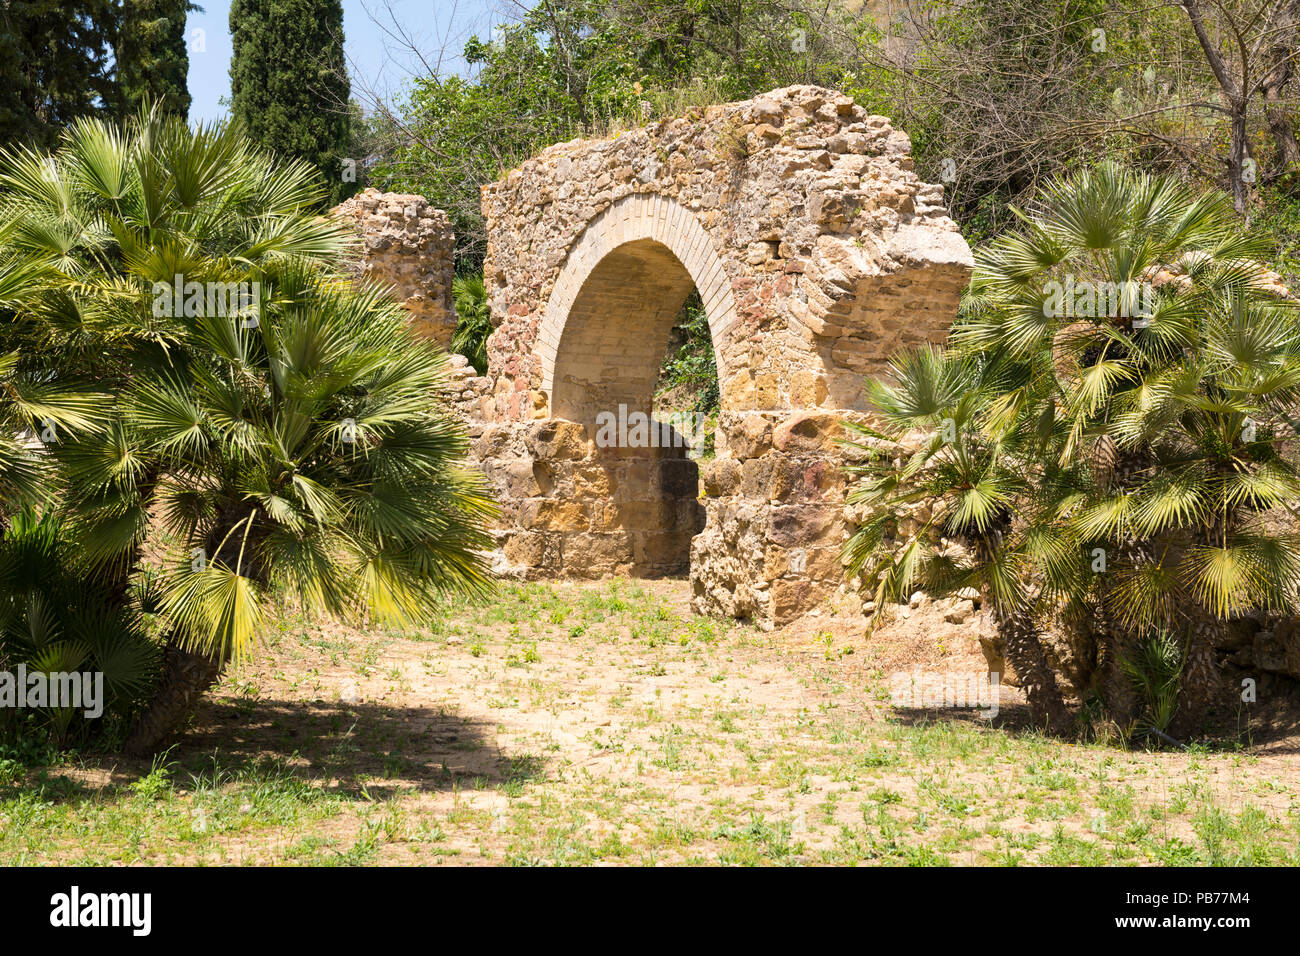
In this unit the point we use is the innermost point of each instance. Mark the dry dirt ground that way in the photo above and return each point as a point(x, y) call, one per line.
point(603, 723)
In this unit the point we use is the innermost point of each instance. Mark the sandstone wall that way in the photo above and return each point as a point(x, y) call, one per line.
point(574, 509)
point(817, 252)
point(798, 216)
point(408, 245)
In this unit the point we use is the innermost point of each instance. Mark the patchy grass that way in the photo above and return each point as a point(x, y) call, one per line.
point(584, 723)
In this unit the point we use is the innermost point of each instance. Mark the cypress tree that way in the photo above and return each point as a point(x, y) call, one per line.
point(152, 58)
point(55, 65)
point(288, 81)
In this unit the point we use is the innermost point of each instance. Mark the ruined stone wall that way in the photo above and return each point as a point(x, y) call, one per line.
point(408, 245)
point(816, 248)
point(817, 252)
point(573, 509)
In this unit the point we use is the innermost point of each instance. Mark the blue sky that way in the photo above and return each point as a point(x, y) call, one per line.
point(378, 59)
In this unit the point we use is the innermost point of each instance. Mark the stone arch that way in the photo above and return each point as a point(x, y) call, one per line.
point(641, 244)
point(818, 252)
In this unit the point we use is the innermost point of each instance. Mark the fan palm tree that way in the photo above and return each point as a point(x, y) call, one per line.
point(306, 456)
point(473, 320)
point(1145, 345)
point(276, 430)
point(1176, 386)
point(953, 461)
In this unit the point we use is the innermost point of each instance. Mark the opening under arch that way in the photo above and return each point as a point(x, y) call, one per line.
point(607, 367)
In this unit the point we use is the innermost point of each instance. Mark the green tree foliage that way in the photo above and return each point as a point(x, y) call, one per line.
point(273, 431)
point(693, 367)
point(55, 65)
point(152, 56)
point(473, 320)
point(577, 68)
point(288, 81)
point(1111, 464)
point(996, 94)
point(999, 96)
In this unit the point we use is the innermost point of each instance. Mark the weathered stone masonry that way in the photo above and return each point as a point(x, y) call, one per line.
point(406, 244)
point(817, 252)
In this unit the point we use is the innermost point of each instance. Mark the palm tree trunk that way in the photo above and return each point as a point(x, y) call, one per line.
point(1201, 680)
point(1024, 652)
point(1022, 646)
point(185, 678)
point(1119, 642)
point(1117, 690)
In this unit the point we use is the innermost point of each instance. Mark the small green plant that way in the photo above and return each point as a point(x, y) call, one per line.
point(1155, 669)
point(157, 782)
point(732, 143)
point(473, 320)
point(55, 619)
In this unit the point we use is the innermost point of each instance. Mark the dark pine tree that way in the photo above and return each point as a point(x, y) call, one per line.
point(55, 65)
point(152, 58)
point(288, 81)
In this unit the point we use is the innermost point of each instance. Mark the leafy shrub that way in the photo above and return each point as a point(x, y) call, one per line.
point(53, 618)
point(473, 320)
point(1105, 471)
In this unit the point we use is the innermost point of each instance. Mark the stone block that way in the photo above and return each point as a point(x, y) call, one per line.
point(549, 514)
point(691, 516)
point(679, 478)
point(810, 433)
point(603, 551)
point(720, 477)
point(750, 437)
point(797, 526)
point(767, 391)
point(756, 477)
point(807, 479)
point(532, 549)
point(807, 389)
point(776, 562)
point(557, 438)
point(823, 564)
point(662, 551)
point(519, 479)
point(738, 391)
point(594, 481)
point(646, 514)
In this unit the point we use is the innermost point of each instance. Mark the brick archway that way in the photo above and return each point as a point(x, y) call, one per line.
point(817, 251)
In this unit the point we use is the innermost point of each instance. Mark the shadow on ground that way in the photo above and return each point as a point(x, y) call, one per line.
point(364, 750)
